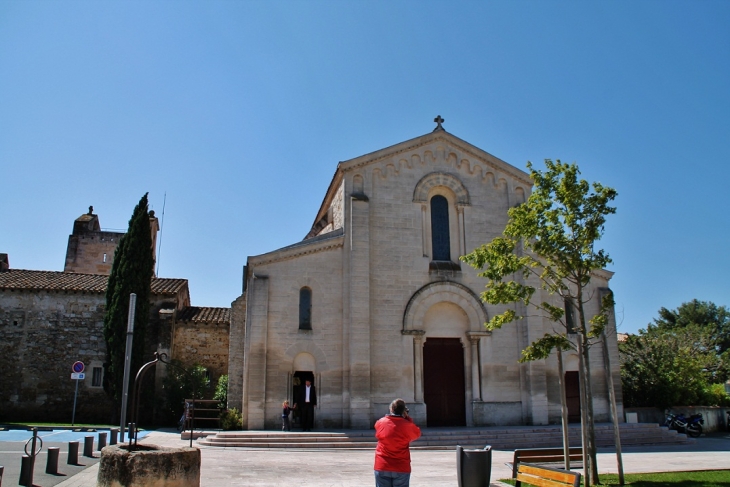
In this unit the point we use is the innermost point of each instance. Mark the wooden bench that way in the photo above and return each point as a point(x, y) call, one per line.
point(544, 455)
point(546, 476)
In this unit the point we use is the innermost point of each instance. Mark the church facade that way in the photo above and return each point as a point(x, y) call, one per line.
point(374, 303)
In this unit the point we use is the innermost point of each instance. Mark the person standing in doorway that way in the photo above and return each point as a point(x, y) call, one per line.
point(394, 431)
point(305, 404)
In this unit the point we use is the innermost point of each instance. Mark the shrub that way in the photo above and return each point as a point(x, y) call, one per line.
point(221, 392)
point(715, 395)
point(231, 420)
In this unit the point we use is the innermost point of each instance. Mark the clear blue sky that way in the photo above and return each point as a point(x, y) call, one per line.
point(240, 111)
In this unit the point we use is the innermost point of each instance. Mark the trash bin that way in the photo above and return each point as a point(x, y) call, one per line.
point(474, 467)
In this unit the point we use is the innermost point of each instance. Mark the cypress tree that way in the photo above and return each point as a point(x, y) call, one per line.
point(132, 272)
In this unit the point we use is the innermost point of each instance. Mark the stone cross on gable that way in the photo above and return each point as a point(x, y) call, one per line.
point(439, 121)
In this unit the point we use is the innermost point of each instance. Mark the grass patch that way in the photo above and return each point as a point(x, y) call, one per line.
point(703, 478)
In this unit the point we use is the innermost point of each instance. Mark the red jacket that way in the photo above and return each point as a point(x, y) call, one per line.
point(394, 434)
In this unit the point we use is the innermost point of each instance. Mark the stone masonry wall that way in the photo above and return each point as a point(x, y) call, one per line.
point(41, 335)
point(202, 343)
point(91, 253)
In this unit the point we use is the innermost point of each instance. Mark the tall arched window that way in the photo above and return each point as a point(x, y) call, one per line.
point(305, 308)
point(440, 240)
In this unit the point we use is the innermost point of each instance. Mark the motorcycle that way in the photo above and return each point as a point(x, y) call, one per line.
point(692, 426)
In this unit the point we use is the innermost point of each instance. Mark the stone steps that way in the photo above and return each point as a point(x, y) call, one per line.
point(445, 438)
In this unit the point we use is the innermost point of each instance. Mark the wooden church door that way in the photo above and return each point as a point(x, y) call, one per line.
point(443, 382)
point(572, 396)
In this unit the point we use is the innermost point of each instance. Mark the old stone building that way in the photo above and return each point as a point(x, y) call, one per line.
point(374, 303)
point(49, 320)
point(91, 250)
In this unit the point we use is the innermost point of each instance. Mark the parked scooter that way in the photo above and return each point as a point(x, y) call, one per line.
point(692, 426)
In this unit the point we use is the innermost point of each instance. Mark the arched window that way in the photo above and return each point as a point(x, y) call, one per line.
point(305, 308)
point(440, 240)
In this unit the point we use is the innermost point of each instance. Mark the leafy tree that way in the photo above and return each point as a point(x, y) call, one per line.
point(131, 272)
point(705, 314)
point(679, 359)
point(549, 245)
point(182, 383)
point(662, 368)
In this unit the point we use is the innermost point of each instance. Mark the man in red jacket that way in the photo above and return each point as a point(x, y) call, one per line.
point(394, 432)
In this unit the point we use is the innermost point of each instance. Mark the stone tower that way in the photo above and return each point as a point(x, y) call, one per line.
point(91, 250)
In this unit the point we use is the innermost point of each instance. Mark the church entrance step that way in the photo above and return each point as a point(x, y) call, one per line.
point(446, 438)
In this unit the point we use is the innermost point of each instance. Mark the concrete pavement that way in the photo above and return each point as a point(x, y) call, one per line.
point(353, 468)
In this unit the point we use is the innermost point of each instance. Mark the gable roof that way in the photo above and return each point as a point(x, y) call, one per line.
point(27, 280)
point(202, 314)
point(478, 154)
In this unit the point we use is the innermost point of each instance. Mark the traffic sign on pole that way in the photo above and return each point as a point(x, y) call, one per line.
point(78, 367)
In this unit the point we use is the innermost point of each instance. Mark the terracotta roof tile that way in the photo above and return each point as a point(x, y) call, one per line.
point(198, 314)
point(25, 280)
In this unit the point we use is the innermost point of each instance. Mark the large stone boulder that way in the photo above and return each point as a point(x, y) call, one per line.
point(148, 466)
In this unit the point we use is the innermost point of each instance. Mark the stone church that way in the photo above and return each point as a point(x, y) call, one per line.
point(374, 303)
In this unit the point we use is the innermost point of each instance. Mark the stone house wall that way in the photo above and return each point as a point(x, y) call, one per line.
point(202, 343)
point(42, 333)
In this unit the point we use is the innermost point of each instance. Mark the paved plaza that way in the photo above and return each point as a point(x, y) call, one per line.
point(353, 468)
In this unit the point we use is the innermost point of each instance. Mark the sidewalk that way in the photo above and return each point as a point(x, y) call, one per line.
point(353, 468)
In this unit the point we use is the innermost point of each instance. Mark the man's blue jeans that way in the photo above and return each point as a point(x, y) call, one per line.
point(391, 479)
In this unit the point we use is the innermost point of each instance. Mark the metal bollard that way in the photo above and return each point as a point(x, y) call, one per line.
point(52, 461)
point(113, 436)
point(73, 453)
point(89, 446)
point(102, 440)
point(25, 471)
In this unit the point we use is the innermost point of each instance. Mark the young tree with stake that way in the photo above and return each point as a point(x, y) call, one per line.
point(549, 244)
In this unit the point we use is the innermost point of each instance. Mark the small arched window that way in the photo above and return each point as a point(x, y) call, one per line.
point(305, 308)
point(440, 240)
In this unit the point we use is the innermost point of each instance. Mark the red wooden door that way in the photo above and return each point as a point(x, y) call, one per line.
point(572, 396)
point(443, 382)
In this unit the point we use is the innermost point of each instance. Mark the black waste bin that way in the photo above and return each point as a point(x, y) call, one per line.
point(474, 467)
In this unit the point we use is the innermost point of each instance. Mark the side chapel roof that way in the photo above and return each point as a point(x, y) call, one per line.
point(202, 314)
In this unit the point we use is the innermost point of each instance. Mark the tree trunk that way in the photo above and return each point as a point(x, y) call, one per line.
point(583, 417)
point(590, 445)
point(564, 410)
point(614, 410)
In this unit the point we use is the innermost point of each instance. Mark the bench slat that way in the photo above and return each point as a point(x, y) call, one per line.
point(549, 458)
point(540, 482)
point(546, 477)
point(562, 476)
